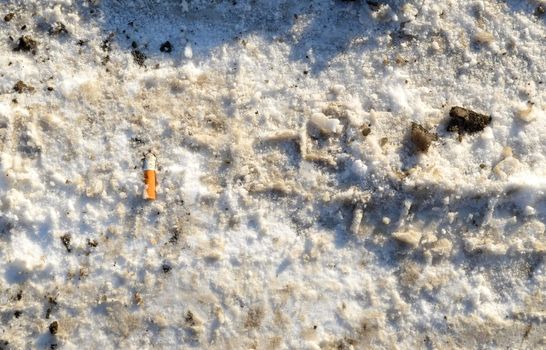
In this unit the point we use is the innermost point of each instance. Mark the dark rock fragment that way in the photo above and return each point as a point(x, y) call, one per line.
point(466, 121)
point(166, 268)
point(9, 16)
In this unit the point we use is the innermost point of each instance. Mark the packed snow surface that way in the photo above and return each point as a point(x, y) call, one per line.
point(313, 192)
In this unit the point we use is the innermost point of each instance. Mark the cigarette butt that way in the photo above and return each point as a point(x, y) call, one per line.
point(149, 176)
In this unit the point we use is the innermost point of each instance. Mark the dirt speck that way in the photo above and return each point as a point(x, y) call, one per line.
point(17, 313)
point(66, 242)
point(54, 327)
point(26, 44)
point(20, 87)
point(92, 243)
point(138, 57)
point(166, 47)
point(467, 121)
point(421, 137)
point(9, 16)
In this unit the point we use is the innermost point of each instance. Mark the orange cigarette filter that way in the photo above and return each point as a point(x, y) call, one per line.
point(149, 176)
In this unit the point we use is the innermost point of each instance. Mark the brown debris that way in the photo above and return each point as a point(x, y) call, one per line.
point(421, 137)
point(21, 87)
point(9, 17)
point(54, 327)
point(26, 44)
point(466, 121)
point(365, 130)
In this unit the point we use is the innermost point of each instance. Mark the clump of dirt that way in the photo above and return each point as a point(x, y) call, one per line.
point(17, 313)
point(166, 47)
point(58, 28)
point(66, 242)
point(20, 87)
point(26, 44)
point(54, 327)
point(9, 17)
point(421, 137)
point(138, 57)
point(466, 121)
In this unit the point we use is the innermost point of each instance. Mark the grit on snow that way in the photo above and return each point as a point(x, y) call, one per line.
point(316, 188)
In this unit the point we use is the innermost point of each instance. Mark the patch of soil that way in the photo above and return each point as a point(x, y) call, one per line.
point(421, 137)
point(138, 57)
point(26, 44)
point(20, 87)
point(467, 121)
point(166, 47)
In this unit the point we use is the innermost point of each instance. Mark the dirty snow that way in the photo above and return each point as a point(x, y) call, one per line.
point(293, 210)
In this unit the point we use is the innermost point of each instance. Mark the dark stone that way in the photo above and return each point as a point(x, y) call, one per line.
point(9, 17)
point(466, 121)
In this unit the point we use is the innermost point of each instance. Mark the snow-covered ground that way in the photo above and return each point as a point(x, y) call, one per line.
point(295, 209)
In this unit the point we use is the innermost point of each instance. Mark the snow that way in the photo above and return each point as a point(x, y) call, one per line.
point(279, 222)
